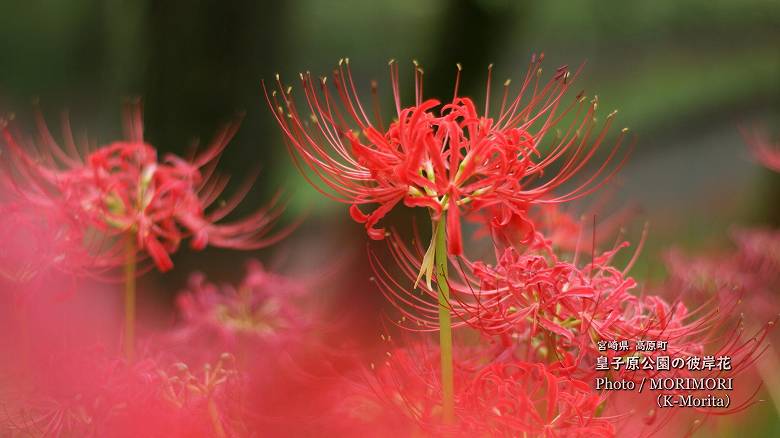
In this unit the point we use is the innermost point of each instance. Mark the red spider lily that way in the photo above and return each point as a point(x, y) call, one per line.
point(263, 307)
point(763, 150)
point(446, 157)
point(497, 298)
point(560, 310)
point(123, 188)
point(543, 310)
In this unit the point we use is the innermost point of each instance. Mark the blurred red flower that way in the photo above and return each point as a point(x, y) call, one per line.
point(265, 309)
point(494, 396)
point(123, 188)
point(37, 239)
point(764, 151)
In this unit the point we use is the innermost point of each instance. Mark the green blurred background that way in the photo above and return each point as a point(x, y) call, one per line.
point(685, 76)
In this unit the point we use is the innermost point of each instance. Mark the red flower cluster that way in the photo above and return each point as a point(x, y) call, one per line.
point(538, 317)
point(544, 313)
point(539, 309)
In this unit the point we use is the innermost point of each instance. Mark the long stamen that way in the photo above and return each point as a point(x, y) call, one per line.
point(459, 70)
point(487, 90)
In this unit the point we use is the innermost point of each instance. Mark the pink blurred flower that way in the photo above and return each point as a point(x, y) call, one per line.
point(264, 307)
point(205, 401)
point(71, 392)
point(88, 392)
point(764, 151)
point(37, 239)
point(750, 271)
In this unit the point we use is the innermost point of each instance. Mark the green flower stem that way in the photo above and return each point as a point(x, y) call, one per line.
point(445, 322)
point(130, 263)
